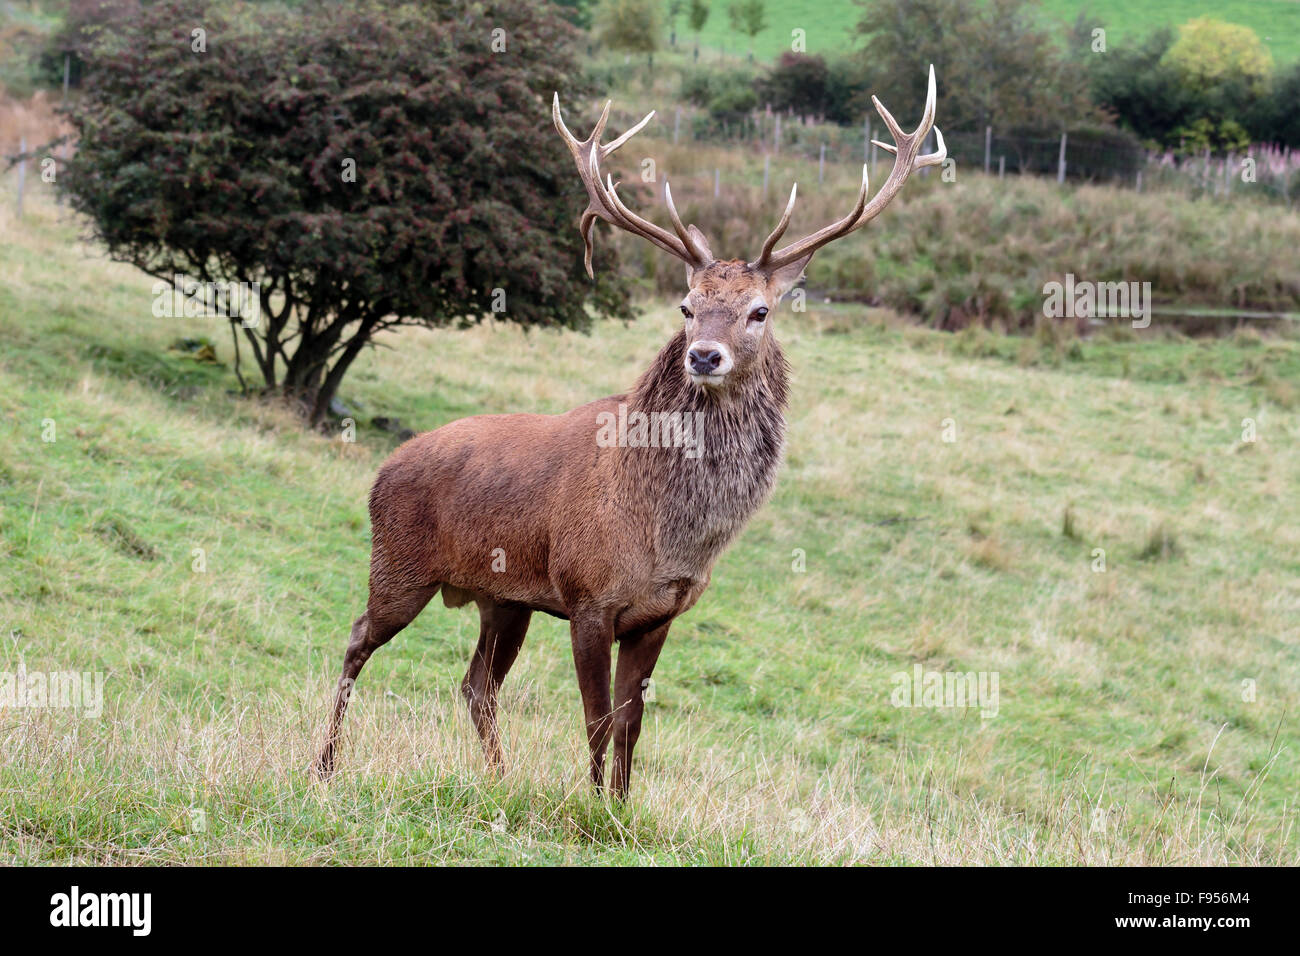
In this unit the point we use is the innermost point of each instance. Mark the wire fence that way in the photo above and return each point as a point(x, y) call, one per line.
point(1088, 155)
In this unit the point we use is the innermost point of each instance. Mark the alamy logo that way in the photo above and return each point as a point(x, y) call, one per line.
point(103, 909)
point(186, 298)
point(651, 430)
point(38, 690)
point(1104, 300)
point(946, 689)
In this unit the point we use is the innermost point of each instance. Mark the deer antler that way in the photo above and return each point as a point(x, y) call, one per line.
point(603, 202)
point(906, 150)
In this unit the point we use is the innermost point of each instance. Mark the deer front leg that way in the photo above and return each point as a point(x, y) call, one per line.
point(593, 636)
point(636, 662)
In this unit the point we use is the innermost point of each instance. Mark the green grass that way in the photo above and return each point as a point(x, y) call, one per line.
point(830, 25)
point(1122, 735)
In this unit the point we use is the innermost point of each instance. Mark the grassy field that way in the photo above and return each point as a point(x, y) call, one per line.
point(1126, 729)
point(829, 25)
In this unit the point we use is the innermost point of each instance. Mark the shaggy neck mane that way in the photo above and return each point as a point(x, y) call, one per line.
point(701, 503)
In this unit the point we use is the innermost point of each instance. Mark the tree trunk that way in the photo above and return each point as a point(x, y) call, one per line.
point(305, 371)
point(309, 381)
point(329, 387)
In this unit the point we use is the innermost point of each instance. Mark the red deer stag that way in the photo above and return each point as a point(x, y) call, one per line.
point(524, 513)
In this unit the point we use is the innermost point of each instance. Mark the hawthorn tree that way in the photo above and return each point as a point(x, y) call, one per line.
point(369, 166)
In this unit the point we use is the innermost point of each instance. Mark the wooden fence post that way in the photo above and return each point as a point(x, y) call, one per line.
point(1060, 162)
point(59, 155)
point(22, 173)
point(988, 145)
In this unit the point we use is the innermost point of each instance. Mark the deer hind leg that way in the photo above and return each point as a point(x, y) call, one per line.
point(387, 612)
point(502, 629)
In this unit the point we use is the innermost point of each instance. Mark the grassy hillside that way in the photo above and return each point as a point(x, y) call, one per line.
point(829, 24)
point(1122, 733)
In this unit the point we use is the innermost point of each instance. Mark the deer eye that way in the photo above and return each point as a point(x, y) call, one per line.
point(687, 312)
point(758, 315)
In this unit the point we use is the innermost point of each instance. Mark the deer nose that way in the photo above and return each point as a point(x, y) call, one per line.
point(704, 361)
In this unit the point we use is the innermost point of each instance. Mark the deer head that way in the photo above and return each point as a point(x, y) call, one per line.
point(729, 302)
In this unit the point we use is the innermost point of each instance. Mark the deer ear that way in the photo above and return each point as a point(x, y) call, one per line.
point(783, 279)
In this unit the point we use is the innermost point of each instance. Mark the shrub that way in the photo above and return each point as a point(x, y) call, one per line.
point(726, 94)
point(231, 164)
point(797, 82)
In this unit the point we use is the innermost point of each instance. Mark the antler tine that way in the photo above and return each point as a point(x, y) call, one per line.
point(603, 201)
point(928, 159)
point(600, 123)
point(938, 156)
point(630, 221)
point(927, 117)
point(681, 230)
point(769, 261)
point(895, 130)
point(606, 150)
point(779, 231)
point(570, 140)
point(906, 150)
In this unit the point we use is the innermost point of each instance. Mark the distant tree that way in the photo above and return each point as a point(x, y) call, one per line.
point(675, 8)
point(632, 26)
point(697, 15)
point(996, 62)
point(1190, 101)
point(848, 83)
point(748, 17)
point(1209, 53)
point(1276, 118)
point(326, 155)
point(1137, 86)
